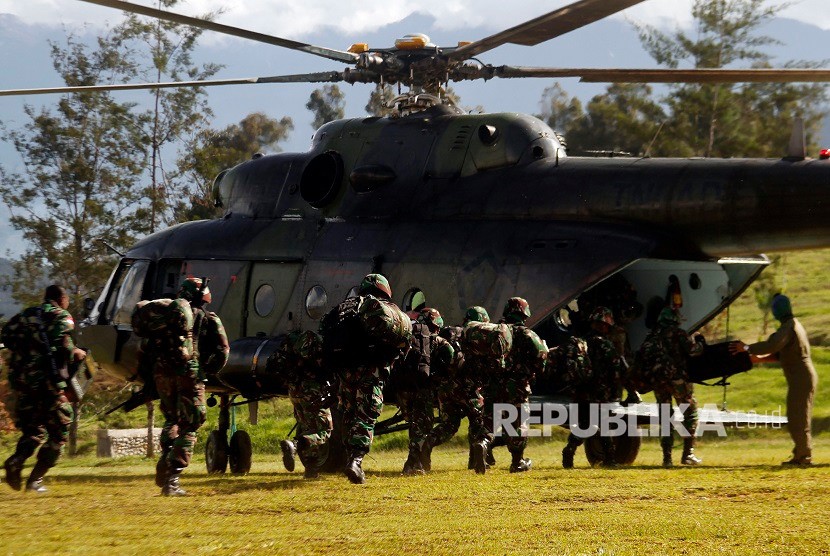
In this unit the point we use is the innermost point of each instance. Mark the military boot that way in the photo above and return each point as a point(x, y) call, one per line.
point(633, 398)
point(609, 452)
point(289, 452)
point(480, 457)
point(171, 485)
point(568, 453)
point(426, 456)
point(13, 466)
point(666, 445)
point(35, 481)
point(520, 464)
point(689, 457)
point(353, 470)
point(161, 470)
point(490, 459)
point(413, 466)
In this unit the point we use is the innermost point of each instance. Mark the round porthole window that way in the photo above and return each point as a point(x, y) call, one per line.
point(316, 302)
point(264, 300)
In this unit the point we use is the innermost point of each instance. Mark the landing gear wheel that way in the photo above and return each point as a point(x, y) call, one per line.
point(240, 452)
point(626, 449)
point(216, 452)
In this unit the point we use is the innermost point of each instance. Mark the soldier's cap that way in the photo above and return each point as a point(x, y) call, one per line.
point(476, 314)
point(602, 314)
point(431, 317)
point(191, 290)
point(375, 284)
point(516, 309)
point(781, 306)
point(668, 316)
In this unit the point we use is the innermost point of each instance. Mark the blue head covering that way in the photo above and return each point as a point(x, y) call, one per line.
point(781, 307)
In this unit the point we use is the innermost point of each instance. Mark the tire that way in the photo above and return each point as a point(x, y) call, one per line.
point(239, 454)
point(216, 452)
point(627, 448)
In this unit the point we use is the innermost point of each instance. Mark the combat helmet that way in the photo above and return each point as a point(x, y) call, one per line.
point(431, 317)
point(668, 316)
point(375, 284)
point(192, 290)
point(603, 315)
point(516, 310)
point(476, 314)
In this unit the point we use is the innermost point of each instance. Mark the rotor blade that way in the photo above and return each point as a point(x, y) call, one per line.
point(548, 26)
point(329, 53)
point(321, 77)
point(719, 75)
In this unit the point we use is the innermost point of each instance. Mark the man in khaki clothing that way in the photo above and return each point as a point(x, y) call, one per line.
point(790, 346)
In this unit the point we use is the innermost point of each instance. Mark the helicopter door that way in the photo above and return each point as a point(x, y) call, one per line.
point(270, 290)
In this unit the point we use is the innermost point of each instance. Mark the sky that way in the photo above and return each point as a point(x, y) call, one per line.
point(26, 24)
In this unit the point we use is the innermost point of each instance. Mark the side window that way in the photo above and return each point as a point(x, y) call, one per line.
point(414, 300)
point(126, 291)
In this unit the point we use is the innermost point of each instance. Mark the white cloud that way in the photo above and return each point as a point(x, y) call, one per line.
point(290, 19)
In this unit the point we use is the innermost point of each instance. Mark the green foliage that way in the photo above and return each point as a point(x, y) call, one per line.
point(212, 151)
point(177, 113)
point(327, 104)
point(83, 163)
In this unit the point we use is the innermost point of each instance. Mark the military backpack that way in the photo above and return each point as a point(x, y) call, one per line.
point(487, 341)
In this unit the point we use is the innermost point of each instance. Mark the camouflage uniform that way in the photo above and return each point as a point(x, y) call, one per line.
point(606, 372)
point(42, 411)
point(661, 363)
point(458, 386)
point(179, 373)
point(360, 391)
point(310, 392)
point(429, 354)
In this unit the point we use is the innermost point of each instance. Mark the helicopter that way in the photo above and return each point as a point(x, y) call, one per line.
point(456, 210)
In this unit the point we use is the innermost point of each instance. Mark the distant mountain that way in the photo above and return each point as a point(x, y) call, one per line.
point(8, 306)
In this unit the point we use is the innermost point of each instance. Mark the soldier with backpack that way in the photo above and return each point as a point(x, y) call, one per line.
point(362, 337)
point(40, 341)
point(413, 383)
point(184, 343)
point(607, 370)
point(310, 391)
point(459, 393)
point(525, 360)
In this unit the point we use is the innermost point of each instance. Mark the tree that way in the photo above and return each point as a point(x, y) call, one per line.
point(624, 118)
point(212, 151)
point(378, 100)
point(558, 110)
point(81, 185)
point(722, 119)
point(176, 113)
point(326, 104)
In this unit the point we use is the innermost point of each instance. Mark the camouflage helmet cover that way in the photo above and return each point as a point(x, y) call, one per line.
point(476, 314)
point(191, 290)
point(668, 316)
point(431, 317)
point(517, 307)
point(602, 314)
point(374, 284)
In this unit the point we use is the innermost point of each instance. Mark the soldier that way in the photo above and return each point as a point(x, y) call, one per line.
point(414, 385)
point(41, 348)
point(526, 360)
point(607, 370)
point(459, 396)
point(573, 365)
point(310, 391)
point(790, 345)
point(181, 364)
point(662, 361)
point(362, 376)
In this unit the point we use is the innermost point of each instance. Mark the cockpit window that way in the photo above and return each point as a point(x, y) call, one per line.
point(126, 291)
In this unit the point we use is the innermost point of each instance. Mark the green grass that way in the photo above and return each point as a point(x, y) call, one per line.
point(739, 502)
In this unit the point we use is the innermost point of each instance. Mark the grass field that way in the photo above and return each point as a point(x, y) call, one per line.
point(739, 502)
